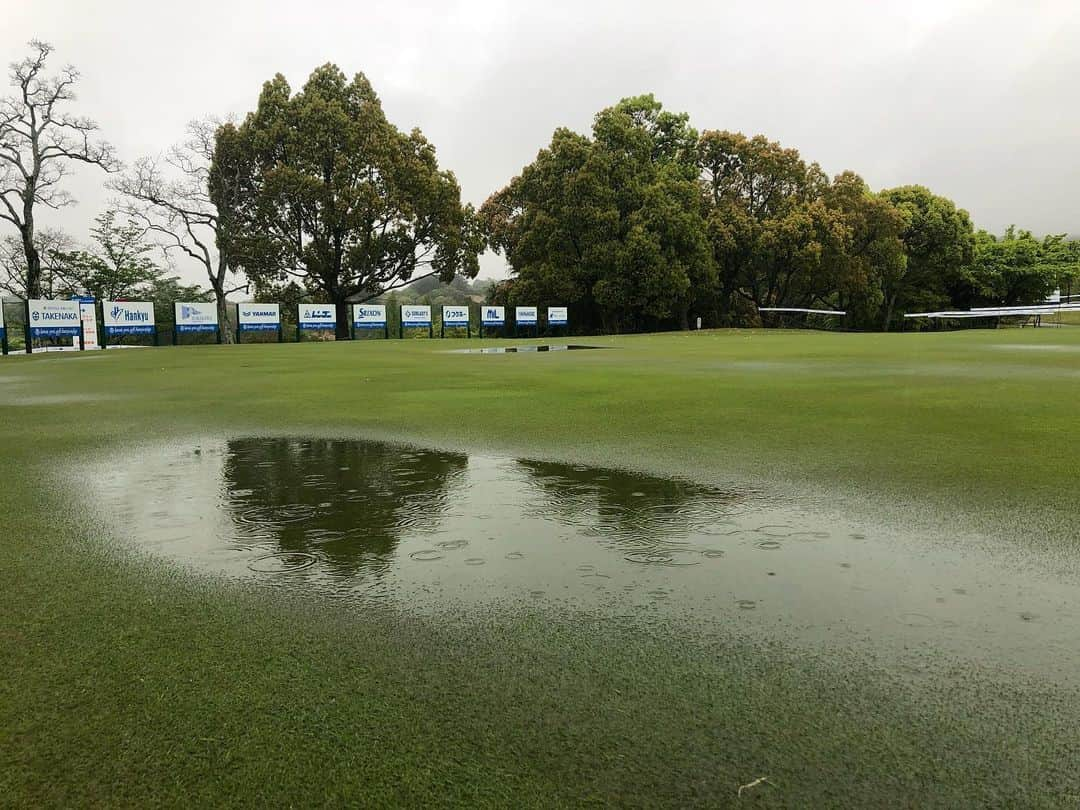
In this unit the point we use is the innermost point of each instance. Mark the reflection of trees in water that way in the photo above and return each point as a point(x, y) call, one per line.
point(349, 501)
point(627, 507)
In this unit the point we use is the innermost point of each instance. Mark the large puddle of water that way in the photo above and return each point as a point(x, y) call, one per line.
point(526, 349)
point(427, 530)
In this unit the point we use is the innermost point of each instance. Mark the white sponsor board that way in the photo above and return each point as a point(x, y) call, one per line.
point(196, 317)
point(558, 316)
point(369, 316)
point(455, 316)
point(493, 316)
point(317, 316)
point(415, 315)
point(258, 317)
point(128, 317)
point(525, 316)
point(53, 319)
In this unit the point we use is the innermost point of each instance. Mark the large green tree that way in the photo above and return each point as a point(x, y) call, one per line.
point(939, 245)
point(333, 194)
point(769, 226)
point(612, 225)
point(1017, 268)
point(866, 250)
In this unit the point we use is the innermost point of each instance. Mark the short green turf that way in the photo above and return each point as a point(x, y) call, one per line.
point(131, 683)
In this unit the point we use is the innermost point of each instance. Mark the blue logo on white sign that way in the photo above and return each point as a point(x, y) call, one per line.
point(53, 319)
point(317, 316)
point(455, 316)
point(195, 317)
point(128, 317)
point(369, 316)
point(414, 315)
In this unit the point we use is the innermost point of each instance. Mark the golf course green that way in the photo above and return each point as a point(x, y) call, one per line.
point(135, 679)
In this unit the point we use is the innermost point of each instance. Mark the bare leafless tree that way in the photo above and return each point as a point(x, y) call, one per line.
point(171, 196)
point(38, 143)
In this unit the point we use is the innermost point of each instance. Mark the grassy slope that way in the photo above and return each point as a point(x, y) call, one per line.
point(132, 684)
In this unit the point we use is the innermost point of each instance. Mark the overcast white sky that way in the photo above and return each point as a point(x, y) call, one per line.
point(975, 98)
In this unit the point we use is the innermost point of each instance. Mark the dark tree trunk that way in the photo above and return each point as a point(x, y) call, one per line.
point(33, 263)
point(888, 313)
point(341, 330)
point(228, 332)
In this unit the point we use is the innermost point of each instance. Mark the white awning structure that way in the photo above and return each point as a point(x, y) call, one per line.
point(998, 312)
point(806, 311)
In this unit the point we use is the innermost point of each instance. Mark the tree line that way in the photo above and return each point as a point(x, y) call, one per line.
point(643, 224)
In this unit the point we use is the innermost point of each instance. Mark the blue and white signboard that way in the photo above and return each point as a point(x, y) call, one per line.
point(557, 316)
point(54, 319)
point(317, 316)
point(493, 316)
point(128, 317)
point(455, 316)
point(258, 317)
point(369, 316)
point(3, 329)
point(415, 315)
point(525, 316)
point(196, 317)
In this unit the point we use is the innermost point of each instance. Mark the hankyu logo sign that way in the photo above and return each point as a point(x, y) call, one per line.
point(525, 316)
point(493, 316)
point(317, 316)
point(54, 318)
point(259, 317)
point(196, 317)
point(369, 316)
point(128, 317)
point(558, 316)
point(415, 315)
point(455, 316)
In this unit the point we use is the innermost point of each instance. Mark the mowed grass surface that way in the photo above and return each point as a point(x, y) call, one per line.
point(132, 683)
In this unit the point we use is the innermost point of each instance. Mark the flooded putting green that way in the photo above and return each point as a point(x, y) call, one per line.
point(427, 531)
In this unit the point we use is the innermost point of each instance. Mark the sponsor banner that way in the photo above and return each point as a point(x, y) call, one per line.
point(3, 329)
point(128, 317)
point(53, 319)
point(196, 317)
point(258, 317)
point(415, 315)
point(493, 316)
point(455, 316)
point(557, 316)
point(525, 316)
point(317, 316)
point(369, 316)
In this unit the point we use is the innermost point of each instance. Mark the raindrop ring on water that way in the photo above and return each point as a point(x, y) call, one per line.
point(649, 557)
point(427, 555)
point(282, 562)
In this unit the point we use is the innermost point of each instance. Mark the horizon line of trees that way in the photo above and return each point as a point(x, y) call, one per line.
point(643, 224)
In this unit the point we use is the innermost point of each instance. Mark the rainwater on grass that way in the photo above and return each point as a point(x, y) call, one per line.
point(427, 531)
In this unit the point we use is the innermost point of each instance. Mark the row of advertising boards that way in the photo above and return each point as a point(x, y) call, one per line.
point(59, 319)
